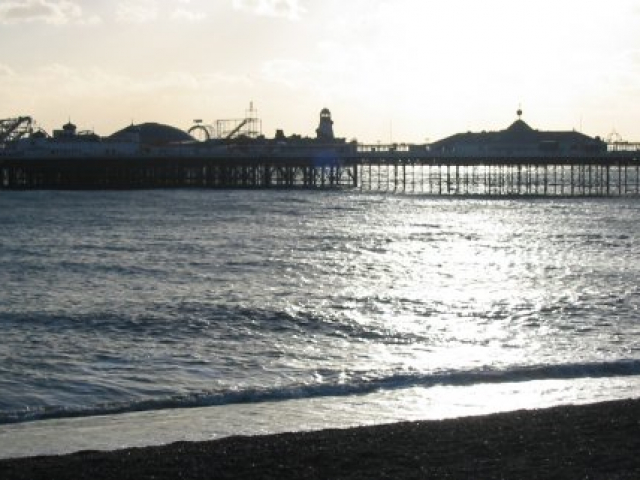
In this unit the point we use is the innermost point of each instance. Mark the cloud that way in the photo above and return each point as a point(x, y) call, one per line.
point(138, 11)
point(71, 83)
point(102, 99)
point(6, 71)
point(290, 9)
point(337, 72)
point(54, 12)
point(189, 16)
point(144, 11)
point(293, 73)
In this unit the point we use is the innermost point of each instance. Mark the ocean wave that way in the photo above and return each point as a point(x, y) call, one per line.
point(358, 385)
point(184, 320)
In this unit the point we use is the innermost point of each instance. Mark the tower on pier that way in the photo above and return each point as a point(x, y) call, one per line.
point(325, 129)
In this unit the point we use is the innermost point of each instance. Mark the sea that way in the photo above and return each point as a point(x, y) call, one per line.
point(132, 318)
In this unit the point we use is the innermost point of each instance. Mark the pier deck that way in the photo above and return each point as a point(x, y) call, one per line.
point(612, 174)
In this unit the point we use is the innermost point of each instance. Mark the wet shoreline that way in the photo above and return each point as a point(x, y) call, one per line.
point(589, 441)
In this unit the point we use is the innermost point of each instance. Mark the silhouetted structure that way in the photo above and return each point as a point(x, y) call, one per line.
point(325, 129)
point(516, 161)
point(152, 134)
point(519, 140)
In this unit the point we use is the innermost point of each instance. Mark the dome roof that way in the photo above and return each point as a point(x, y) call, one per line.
point(154, 134)
point(519, 126)
point(39, 134)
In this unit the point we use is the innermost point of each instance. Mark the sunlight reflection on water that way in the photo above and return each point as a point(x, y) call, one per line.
point(186, 296)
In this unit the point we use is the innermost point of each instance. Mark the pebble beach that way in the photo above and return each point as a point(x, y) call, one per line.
point(597, 441)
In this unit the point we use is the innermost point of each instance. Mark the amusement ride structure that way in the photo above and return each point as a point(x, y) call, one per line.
point(12, 129)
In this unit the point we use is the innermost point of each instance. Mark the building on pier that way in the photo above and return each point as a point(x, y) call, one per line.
point(67, 142)
point(519, 140)
point(152, 134)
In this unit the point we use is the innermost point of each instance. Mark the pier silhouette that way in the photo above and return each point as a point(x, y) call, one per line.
point(518, 160)
point(607, 175)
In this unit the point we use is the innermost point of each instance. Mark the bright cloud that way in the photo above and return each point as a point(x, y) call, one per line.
point(55, 12)
point(188, 15)
point(290, 9)
point(139, 11)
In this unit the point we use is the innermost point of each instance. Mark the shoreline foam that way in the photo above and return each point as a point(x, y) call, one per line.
point(588, 441)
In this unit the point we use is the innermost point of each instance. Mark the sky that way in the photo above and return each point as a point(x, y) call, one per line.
point(389, 70)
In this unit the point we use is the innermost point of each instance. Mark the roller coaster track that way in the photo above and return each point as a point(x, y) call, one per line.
point(238, 128)
point(15, 128)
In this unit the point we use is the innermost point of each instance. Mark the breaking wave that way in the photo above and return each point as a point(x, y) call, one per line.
point(361, 386)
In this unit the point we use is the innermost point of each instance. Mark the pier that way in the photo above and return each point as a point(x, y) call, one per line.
point(147, 173)
point(516, 161)
point(385, 170)
point(473, 176)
